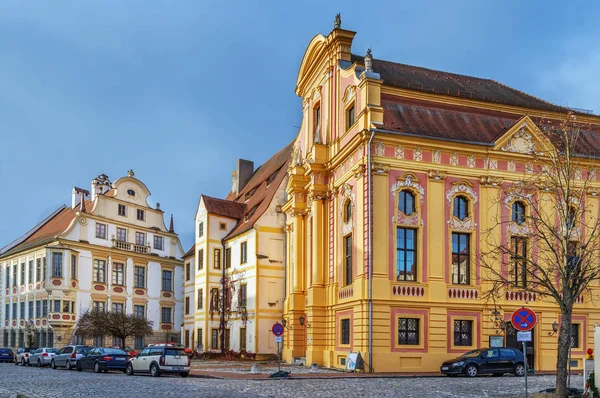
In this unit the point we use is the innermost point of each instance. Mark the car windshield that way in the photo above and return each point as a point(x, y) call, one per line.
point(114, 351)
point(471, 354)
point(174, 351)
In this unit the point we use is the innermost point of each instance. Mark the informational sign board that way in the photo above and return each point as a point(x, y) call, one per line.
point(523, 319)
point(354, 361)
point(278, 339)
point(496, 341)
point(524, 336)
point(277, 329)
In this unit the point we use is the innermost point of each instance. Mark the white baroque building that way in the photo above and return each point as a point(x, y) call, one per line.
point(108, 250)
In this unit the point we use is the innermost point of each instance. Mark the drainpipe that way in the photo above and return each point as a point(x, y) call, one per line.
point(222, 320)
point(370, 248)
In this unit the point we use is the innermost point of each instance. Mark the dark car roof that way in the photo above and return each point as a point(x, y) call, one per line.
point(6, 350)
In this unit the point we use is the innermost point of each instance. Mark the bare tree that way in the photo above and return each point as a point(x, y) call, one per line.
point(550, 230)
point(116, 324)
point(221, 302)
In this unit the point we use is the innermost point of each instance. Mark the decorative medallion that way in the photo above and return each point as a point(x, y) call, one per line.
point(418, 155)
point(462, 225)
point(454, 159)
point(436, 175)
point(407, 182)
point(399, 152)
point(471, 161)
point(460, 188)
point(511, 165)
point(520, 142)
point(83, 221)
point(436, 156)
point(379, 149)
point(493, 164)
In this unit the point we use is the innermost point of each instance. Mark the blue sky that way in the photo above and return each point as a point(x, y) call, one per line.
point(178, 90)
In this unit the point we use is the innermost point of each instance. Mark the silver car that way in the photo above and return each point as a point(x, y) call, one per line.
point(68, 356)
point(42, 356)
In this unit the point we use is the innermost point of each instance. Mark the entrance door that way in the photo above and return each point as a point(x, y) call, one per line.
point(511, 342)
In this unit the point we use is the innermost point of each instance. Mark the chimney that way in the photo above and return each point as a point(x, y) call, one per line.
point(78, 195)
point(100, 185)
point(241, 175)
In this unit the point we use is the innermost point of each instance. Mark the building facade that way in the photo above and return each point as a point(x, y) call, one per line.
point(234, 273)
point(109, 250)
point(399, 170)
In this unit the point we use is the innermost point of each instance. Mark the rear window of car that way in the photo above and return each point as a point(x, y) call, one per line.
point(82, 350)
point(174, 351)
point(5, 351)
point(114, 351)
point(51, 350)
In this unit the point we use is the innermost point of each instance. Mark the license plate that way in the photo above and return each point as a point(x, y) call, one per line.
point(120, 359)
point(177, 368)
point(444, 368)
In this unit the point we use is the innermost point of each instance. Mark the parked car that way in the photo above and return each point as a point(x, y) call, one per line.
point(495, 361)
point(42, 356)
point(6, 355)
point(102, 359)
point(67, 356)
point(128, 350)
point(22, 357)
point(188, 351)
point(160, 359)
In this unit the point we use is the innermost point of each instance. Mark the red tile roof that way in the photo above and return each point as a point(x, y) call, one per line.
point(223, 207)
point(190, 252)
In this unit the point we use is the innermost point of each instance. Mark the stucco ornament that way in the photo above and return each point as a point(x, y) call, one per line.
point(369, 61)
point(471, 161)
point(460, 188)
point(436, 156)
point(518, 193)
point(520, 142)
point(379, 149)
point(348, 194)
point(83, 221)
point(516, 229)
point(399, 152)
point(418, 155)
point(464, 225)
point(454, 159)
point(407, 182)
point(337, 22)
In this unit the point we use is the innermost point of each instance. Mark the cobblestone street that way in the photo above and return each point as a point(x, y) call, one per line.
point(45, 382)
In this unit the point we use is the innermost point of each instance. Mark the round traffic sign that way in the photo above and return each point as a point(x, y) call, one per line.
point(277, 329)
point(524, 319)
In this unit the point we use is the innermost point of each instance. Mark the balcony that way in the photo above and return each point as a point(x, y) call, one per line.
point(130, 247)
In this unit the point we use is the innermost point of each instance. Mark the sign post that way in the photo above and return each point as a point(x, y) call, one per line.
point(278, 331)
point(524, 319)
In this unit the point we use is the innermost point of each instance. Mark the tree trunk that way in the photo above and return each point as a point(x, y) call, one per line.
point(564, 345)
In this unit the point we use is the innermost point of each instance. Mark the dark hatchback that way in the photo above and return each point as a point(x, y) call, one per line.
point(495, 361)
point(6, 355)
point(103, 359)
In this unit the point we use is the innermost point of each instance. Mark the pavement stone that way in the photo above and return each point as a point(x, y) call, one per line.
point(46, 382)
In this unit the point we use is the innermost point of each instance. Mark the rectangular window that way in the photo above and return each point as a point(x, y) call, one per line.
point(50, 339)
point(30, 272)
point(138, 342)
point(7, 311)
point(15, 273)
point(217, 259)
point(139, 311)
point(187, 306)
point(199, 339)
point(38, 271)
point(408, 331)
point(140, 277)
point(214, 299)
point(244, 253)
point(200, 259)
point(73, 266)
point(22, 310)
point(7, 273)
point(406, 254)
point(186, 338)
point(158, 242)
point(66, 306)
point(228, 257)
point(100, 230)
point(100, 306)
point(44, 308)
point(348, 260)
point(200, 298)
point(243, 295)
point(100, 271)
point(118, 307)
point(201, 230)
point(38, 308)
point(121, 235)
point(574, 335)
point(214, 340)
point(57, 264)
point(222, 226)
point(349, 117)
point(118, 274)
point(117, 342)
point(30, 309)
point(242, 339)
point(518, 259)
point(463, 333)
point(14, 311)
point(122, 210)
point(167, 280)
point(187, 271)
point(317, 119)
point(345, 328)
point(56, 305)
point(22, 274)
point(166, 315)
point(461, 258)
point(99, 341)
point(140, 239)
point(140, 215)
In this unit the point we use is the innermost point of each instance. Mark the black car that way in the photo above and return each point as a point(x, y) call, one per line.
point(103, 359)
point(495, 361)
point(6, 355)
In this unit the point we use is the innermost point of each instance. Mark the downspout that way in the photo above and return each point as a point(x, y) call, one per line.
point(370, 247)
point(222, 320)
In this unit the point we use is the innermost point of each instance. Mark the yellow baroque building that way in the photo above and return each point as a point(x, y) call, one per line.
point(401, 167)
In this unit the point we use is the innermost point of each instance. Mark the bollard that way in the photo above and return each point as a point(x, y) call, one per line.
point(314, 368)
point(254, 369)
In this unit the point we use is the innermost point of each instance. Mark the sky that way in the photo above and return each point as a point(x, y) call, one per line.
point(179, 90)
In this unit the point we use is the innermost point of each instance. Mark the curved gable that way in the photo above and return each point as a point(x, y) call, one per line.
point(130, 189)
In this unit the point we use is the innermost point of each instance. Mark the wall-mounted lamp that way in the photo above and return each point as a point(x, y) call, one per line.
point(301, 320)
point(284, 322)
point(554, 329)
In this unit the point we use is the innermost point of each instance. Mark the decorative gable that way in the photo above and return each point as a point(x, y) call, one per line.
point(523, 137)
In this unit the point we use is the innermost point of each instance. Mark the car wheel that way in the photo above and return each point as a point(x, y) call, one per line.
point(184, 374)
point(39, 363)
point(23, 363)
point(97, 367)
point(28, 362)
point(53, 364)
point(471, 371)
point(154, 370)
point(16, 362)
point(78, 366)
point(68, 366)
point(129, 370)
point(519, 370)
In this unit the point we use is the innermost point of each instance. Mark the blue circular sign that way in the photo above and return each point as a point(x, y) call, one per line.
point(277, 329)
point(524, 319)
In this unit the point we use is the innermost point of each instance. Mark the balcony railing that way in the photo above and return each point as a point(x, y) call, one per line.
point(130, 247)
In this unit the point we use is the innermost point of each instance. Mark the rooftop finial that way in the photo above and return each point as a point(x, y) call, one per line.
point(369, 61)
point(299, 156)
point(130, 173)
point(171, 226)
point(337, 22)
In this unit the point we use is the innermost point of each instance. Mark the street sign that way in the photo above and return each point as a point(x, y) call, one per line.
point(278, 339)
point(524, 319)
point(277, 329)
point(524, 336)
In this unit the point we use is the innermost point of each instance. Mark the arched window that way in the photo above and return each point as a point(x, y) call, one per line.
point(348, 211)
point(406, 202)
point(571, 212)
point(461, 207)
point(518, 212)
